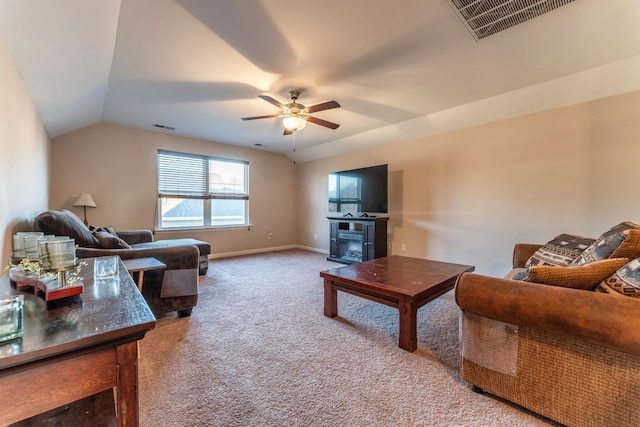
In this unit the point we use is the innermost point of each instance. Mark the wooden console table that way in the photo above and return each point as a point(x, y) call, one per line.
point(76, 350)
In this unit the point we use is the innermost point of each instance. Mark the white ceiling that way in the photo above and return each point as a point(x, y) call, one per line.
point(400, 69)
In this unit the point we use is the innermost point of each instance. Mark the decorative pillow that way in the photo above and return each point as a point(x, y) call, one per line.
point(65, 223)
point(516, 274)
point(625, 281)
point(108, 229)
point(586, 276)
point(606, 289)
point(560, 251)
point(621, 241)
point(110, 241)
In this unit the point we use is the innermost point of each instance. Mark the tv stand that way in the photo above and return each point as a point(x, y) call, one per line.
point(364, 215)
point(354, 240)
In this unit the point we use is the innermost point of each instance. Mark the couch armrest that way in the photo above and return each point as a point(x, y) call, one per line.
point(594, 317)
point(175, 258)
point(522, 252)
point(136, 236)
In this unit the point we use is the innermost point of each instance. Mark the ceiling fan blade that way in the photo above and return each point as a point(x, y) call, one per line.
point(275, 102)
point(322, 122)
point(287, 131)
point(270, 116)
point(324, 106)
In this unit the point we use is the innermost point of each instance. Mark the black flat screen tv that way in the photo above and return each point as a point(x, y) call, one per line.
point(359, 191)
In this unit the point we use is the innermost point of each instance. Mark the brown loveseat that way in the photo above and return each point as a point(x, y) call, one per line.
point(571, 355)
point(172, 289)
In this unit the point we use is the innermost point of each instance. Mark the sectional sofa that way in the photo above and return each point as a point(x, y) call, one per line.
point(172, 289)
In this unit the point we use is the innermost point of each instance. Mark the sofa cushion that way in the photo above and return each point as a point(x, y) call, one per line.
point(620, 241)
point(65, 223)
point(560, 251)
point(110, 241)
point(625, 281)
point(586, 276)
point(203, 247)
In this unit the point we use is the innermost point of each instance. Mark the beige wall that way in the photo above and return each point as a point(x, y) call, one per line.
point(465, 196)
point(468, 196)
point(117, 166)
point(24, 152)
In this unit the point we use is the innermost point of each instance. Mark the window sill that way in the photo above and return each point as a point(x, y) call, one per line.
point(197, 229)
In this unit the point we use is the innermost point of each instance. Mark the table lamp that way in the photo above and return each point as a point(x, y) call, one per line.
point(85, 200)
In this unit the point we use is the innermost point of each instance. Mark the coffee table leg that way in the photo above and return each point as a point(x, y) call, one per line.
point(408, 325)
point(330, 299)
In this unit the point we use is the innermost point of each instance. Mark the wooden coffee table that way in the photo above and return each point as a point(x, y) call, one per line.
point(401, 282)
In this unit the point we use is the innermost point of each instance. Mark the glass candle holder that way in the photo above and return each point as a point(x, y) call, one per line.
point(25, 244)
point(42, 248)
point(57, 254)
point(11, 315)
point(31, 246)
point(105, 267)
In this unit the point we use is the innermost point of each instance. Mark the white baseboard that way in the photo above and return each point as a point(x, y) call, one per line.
point(263, 250)
point(310, 249)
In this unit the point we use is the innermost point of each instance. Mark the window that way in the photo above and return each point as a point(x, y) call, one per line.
point(199, 191)
point(344, 193)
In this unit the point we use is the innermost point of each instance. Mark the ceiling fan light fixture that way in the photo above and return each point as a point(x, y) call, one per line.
point(295, 116)
point(294, 123)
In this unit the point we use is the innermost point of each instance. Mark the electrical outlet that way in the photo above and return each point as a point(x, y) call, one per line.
point(270, 235)
point(315, 236)
point(403, 247)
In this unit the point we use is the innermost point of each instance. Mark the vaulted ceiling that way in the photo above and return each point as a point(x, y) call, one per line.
point(400, 69)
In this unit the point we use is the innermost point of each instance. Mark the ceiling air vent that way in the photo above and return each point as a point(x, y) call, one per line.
point(159, 126)
point(486, 17)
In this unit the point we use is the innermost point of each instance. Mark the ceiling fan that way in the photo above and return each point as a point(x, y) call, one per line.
point(295, 116)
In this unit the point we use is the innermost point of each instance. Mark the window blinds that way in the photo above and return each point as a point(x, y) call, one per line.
point(190, 176)
point(181, 175)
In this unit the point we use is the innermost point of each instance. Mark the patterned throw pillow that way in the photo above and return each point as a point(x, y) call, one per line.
point(586, 276)
point(625, 281)
point(110, 241)
point(561, 251)
point(621, 241)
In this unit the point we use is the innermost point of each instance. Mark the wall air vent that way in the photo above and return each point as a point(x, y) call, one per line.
point(486, 17)
point(159, 126)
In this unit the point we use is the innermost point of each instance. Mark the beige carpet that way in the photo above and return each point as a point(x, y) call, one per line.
point(258, 351)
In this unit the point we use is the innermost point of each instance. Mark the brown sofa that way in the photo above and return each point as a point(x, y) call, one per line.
point(172, 289)
point(568, 354)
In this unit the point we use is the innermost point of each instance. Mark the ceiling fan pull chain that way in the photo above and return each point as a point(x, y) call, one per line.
point(294, 147)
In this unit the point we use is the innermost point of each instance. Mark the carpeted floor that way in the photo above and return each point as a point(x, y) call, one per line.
point(258, 351)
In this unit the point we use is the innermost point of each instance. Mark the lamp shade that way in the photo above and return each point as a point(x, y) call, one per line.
point(294, 123)
point(85, 199)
